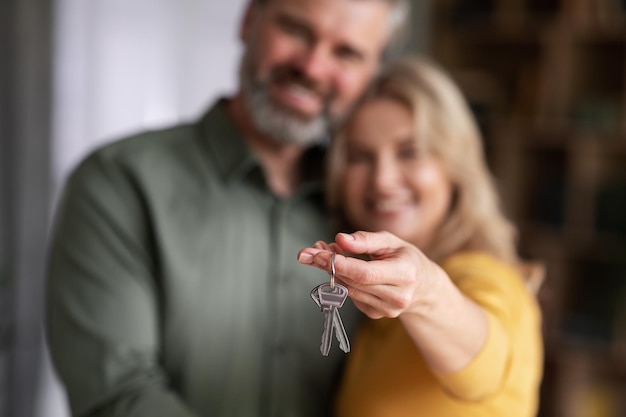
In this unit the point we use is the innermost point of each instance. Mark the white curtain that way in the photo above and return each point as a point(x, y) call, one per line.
point(124, 66)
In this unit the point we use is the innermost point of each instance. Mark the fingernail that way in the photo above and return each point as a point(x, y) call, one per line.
point(347, 236)
point(305, 258)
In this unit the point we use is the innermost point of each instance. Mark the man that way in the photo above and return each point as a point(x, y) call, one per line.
point(173, 285)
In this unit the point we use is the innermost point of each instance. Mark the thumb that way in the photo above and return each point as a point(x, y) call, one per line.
point(375, 244)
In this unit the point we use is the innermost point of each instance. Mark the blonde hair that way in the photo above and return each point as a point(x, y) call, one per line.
point(445, 124)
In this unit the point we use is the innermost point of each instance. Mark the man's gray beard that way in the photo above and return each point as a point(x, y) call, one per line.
point(281, 125)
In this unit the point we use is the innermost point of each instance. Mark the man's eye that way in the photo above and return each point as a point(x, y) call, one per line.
point(348, 54)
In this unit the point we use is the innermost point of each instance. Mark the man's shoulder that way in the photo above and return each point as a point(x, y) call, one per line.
point(176, 144)
point(148, 144)
point(143, 155)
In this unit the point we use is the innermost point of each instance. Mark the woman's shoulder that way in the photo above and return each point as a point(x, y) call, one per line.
point(498, 286)
point(482, 271)
point(478, 261)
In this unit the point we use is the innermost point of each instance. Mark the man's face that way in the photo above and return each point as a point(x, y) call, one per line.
point(307, 61)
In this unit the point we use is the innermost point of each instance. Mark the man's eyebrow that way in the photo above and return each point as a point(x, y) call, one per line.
point(291, 21)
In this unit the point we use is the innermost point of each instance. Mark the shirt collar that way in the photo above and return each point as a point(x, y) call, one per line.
point(229, 152)
point(234, 159)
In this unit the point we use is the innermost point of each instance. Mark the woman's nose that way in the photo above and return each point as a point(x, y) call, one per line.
point(385, 174)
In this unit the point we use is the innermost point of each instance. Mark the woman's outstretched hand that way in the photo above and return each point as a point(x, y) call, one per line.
point(398, 280)
point(389, 283)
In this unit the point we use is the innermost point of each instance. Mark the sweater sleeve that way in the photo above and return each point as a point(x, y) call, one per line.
point(102, 299)
point(500, 291)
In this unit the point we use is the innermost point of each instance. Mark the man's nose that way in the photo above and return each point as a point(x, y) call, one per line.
point(315, 63)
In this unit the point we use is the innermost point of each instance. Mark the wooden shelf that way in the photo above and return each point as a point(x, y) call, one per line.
point(547, 82)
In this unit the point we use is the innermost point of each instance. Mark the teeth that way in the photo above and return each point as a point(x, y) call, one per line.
point(388, 205)
point(302, 91)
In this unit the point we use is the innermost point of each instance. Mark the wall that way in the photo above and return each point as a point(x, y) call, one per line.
point(25, 32)
point(74, 75)
point(125, 66)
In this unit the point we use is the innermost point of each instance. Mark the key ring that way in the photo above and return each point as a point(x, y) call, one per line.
point(332, 272)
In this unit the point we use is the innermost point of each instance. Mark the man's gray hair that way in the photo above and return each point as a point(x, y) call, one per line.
point(399, 26)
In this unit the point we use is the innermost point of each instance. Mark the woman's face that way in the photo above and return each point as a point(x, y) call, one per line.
point(391, 182)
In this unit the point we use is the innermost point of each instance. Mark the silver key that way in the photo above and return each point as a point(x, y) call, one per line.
point(340, 332)
point(339, 329)
point(330, 300)
point(330, 297)
point(327, 334)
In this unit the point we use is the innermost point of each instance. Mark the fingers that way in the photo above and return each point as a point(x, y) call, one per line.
point(387, 284)
point(375, 244)
point(319, 257)
point(383, 278)
point(374, 305)
point(333, 247)
point(320, 244)
point(392, 264)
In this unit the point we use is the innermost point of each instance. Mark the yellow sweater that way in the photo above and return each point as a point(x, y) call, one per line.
point(386, 375)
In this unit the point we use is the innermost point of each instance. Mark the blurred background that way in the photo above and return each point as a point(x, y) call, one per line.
point(545, 78)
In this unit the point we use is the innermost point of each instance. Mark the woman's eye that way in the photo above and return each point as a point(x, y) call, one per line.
point(295, 31)
point(409, 153)
point(357, 157)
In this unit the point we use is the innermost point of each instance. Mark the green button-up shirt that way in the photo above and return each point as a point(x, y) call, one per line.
point(174, 288)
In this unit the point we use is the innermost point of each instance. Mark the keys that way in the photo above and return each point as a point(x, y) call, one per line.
point(334, 299)
point(329, 297)
point(327, 334)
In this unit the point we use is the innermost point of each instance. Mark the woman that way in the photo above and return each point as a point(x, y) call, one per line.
point(454, 326)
